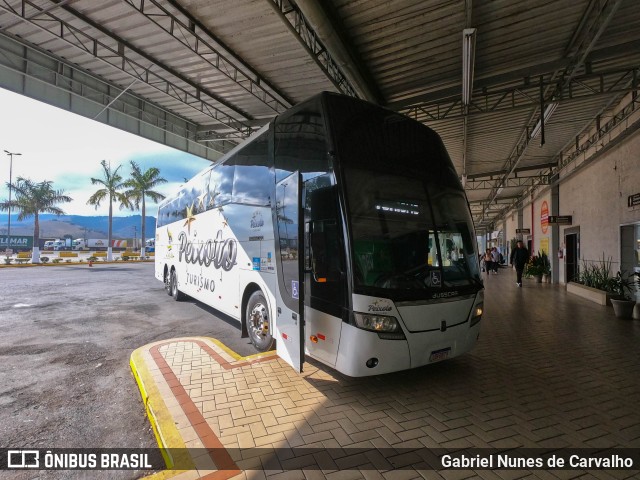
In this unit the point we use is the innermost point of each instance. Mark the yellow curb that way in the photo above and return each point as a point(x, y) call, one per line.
point(162, 422)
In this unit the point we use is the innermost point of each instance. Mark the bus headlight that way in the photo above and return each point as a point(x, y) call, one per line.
point(476, 314)
point(381, 324)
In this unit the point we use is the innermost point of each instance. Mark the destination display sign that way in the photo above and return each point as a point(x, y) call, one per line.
point(560, 219)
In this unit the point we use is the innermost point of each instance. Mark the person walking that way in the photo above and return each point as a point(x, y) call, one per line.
point(519, 258)
point(495, 259)
point(488, 261)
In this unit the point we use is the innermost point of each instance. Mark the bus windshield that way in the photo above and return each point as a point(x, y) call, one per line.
point(403, 241)
point(411, 231)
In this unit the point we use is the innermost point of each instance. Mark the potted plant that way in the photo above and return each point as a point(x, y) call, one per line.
point(620, 286)
point(536, 267)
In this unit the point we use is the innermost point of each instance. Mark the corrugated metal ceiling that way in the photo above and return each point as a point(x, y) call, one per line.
point(228, 67)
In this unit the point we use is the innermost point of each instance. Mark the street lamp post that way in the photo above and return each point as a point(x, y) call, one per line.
point(10, 185)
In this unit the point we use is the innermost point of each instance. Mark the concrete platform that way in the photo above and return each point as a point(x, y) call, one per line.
point(551, 371)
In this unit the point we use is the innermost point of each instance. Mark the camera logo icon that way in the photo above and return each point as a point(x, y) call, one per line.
point(23, 459)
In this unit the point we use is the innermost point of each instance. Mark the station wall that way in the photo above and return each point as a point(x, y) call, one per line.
point(596, 195)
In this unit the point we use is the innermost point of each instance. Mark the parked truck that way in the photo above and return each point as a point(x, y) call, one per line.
point(90, 244)
point(97, 244)
point(63, 244)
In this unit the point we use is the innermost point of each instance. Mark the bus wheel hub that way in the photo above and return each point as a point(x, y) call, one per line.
point(260, 321)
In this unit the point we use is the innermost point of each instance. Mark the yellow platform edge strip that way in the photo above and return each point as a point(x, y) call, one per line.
point(164, 429)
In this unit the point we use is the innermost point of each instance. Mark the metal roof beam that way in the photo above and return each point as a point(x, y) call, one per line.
point(115, 56)
point(326, 22)
point(528, 168)
point(509, 183)
point(594, 29)
point(185, 32)
point(295, 21)
point(526, 95)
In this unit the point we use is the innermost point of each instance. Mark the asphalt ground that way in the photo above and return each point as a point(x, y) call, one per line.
point(66, 336)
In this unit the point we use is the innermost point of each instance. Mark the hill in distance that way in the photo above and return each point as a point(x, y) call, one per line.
point(79, 226)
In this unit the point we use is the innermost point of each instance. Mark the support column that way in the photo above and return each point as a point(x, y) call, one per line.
point(555, 236)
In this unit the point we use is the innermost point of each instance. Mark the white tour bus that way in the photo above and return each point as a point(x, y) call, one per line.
point(339, 231)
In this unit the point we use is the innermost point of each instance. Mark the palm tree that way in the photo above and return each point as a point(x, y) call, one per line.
point(140, 187)
point(112, 184)
point(32, 199)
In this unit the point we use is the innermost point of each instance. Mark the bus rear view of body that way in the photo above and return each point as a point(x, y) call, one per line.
point(339, 231)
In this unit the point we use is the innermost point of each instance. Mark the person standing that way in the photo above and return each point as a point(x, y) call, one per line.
point(495, 259)
point(519, 258)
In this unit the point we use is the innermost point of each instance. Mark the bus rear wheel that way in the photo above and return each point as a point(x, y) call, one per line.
point(175, 292)
point(167, 283)
point(258, 322)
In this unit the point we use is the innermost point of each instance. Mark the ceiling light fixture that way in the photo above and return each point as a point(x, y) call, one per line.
point(468, 62)
point(547, 115)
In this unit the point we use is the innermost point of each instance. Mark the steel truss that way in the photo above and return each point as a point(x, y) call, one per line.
point(116, 55)
point(189, 32)
point(43, 67)
point(298, 25)
point(527, 95)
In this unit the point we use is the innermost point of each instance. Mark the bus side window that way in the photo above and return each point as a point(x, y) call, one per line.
point(325, 251)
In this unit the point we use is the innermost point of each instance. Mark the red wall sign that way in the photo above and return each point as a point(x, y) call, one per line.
point(544, 217)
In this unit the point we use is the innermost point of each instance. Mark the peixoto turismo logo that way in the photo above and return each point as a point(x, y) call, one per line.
point(219, 252)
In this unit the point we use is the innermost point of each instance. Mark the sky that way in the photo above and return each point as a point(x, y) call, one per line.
point(67, 149)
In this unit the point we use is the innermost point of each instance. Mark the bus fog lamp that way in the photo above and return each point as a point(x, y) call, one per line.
point(372, 362)
point(376, 323)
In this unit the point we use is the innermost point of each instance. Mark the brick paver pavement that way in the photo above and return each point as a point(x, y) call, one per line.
point(550, 371)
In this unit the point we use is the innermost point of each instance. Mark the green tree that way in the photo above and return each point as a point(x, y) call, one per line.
point(139, 187)
point(112, 186)
point(32, 199)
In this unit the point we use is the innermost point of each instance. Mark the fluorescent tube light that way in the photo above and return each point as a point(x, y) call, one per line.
point(468, 62)
point(547, 115)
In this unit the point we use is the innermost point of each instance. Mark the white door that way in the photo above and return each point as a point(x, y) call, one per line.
point(290, 291)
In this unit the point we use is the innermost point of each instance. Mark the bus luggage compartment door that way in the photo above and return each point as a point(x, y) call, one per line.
point(290, 291)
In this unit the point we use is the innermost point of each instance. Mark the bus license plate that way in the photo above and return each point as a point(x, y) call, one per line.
point(438, 355)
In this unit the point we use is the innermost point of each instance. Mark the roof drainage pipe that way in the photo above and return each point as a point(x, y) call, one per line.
point(321, 24)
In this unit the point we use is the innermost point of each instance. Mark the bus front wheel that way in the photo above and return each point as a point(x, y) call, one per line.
point(175, 292)
point(258, 322)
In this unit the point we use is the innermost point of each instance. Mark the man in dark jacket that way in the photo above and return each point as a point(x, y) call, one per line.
point(519, 258)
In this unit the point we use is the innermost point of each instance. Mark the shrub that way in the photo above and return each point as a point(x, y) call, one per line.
point(56, 260)
point(44, 259)
point(92, 259)
point(68, 260)
point(596, 275)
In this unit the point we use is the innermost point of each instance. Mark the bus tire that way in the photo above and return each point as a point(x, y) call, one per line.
point(167, 283)
point(258, 322)
point(175, 292)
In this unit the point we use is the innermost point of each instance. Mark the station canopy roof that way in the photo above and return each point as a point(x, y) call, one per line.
point(216, 70)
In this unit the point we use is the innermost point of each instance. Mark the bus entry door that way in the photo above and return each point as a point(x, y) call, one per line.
point(290, 290)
